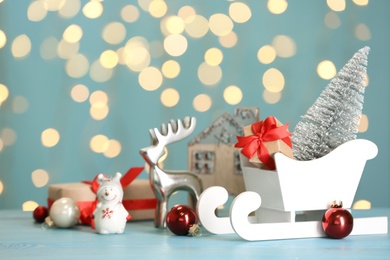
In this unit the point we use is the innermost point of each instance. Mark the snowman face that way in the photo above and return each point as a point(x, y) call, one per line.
point(109, 193)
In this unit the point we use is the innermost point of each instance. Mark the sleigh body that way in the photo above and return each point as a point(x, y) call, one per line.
point(290, 202)
point(308, 186)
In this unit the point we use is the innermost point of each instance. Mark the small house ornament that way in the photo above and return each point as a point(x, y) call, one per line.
point(110, 215)
point(211, 153)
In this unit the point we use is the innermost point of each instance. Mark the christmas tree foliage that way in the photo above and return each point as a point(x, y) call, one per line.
point(335, 116)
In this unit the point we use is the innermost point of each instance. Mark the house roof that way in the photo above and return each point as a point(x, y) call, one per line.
point(226, 127)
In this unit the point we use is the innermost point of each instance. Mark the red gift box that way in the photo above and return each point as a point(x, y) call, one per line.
point(262, 140)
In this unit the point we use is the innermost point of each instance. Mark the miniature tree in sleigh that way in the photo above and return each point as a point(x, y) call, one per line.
point(309, 186)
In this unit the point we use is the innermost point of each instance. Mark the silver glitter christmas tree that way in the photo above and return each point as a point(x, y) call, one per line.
point(335, 116)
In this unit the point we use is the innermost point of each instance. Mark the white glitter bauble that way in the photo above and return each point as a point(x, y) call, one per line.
point(65, 213)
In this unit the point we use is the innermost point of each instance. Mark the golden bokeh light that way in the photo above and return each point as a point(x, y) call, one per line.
point(209, 75)
point(360, 2)
point(73, 33)
point(362, 204)
point(36, 11)
point(109, 59)
point(277, 6)
point(4, 93)
point(228, 41)
point(366, 80)
point(362, 32)
point(121, 55)
point(39, 178)
point(157, 8)
point(144, 4)
point(49, 47)
point(174, 24)
point(130, 13)
point(186, 11)
point(137, 58)
point(50, 137)
point(170, 69)
point(239, 12)
point(202, 103)
point(284, 45)
point(363, 125)
point(150, 78)
point(169, 97)
point(114, 33)
point(19, 105)
point(220, 24)
point(175, 45)
point(196, 26)
point(213, 56)
point(137, 41)
point(326, 69)
point(114, 148)
point(99, 143)
point(99, 111)
point(67, 50)
point(70, 8)
point(93, 9)
point(336, 5)
point(21, 46)
point(266, 54)
point(136, 54)
point(99, 73)
point(77, 66)
point(79, 93)
point(332, 20)
point(273, 80)
point(98, 96)
point(54, 5)
point(161, 160)
point(1, 183)
point(3, 39)
point(271, 97)
point(29, 205)
point(232, 95)
point(8, 136)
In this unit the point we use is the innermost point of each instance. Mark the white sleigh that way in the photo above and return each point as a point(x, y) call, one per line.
point(294, 198)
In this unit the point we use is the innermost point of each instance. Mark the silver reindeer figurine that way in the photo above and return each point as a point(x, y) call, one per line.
point(164, 182)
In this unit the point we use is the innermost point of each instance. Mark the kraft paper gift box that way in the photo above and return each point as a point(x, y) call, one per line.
point(138, 198)
point(282, 146)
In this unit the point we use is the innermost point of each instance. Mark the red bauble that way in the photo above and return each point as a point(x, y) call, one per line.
point(181, 220)
point(337, 222)
point(40, 213)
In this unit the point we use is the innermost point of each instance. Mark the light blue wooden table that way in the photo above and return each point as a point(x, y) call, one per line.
point(21, 238)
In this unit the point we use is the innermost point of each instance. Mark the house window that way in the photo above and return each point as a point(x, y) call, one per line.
point(203, 162)
point(237, 170)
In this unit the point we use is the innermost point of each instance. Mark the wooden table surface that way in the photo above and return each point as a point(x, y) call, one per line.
point(22, 238)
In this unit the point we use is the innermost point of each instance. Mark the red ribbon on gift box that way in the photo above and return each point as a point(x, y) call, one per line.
point(87, 207)
point(263, 131)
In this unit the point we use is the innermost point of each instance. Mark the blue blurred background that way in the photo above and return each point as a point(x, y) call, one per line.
point(81, 82)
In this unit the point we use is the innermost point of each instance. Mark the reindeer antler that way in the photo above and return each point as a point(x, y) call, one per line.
point(175, 131)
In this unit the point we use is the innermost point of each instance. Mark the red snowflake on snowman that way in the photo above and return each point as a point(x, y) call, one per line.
point(107, 213)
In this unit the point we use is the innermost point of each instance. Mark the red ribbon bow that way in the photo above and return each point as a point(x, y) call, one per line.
point(263, 131)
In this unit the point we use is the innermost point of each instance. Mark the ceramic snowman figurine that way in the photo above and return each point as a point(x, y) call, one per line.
point(110, 215)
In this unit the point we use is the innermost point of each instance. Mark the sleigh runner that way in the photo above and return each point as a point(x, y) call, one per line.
point(290, 201)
